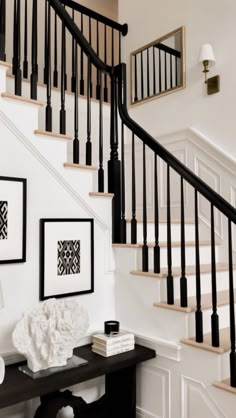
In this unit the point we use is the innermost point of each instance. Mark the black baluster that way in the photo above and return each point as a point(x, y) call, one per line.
point(133, 220)
point(14, 39)
point(123, 220)
point(105, 60)
point(88, 143)
point(25, 62)
point(48, 72)
point(112, 48)
point(145, 246)
point(64, 34)
point(135, 79)
point(170, 280)
point(18, 74)
point(82, 61)
point(101, 170)
point(165, 71)
point(171, 72)
point(114, 170)
point(157, 263)
point(89, 62)
point(73, 46)
point(154, 70)
point(76, 147)
point(231, 310)
point(119, 47)
point(2, 30)
point(198, 314)
point(183, 279)
point(55, 72)
point(176, 71)
point(160, 73)
point(214, 318)
point(34, 51)
point(63, 81)
point(98, 87)
point(45, 71)
point(148, 74)
point(142, 83)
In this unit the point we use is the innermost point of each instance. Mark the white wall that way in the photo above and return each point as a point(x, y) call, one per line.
point(209, 21)
point(47, 198)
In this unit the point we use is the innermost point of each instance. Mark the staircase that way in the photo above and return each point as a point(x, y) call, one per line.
point(171, 284)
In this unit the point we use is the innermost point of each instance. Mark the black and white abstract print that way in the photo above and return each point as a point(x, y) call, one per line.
point(3, 220)
point(68, 257)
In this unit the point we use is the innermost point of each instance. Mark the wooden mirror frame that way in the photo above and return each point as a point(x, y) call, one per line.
point(182, 85)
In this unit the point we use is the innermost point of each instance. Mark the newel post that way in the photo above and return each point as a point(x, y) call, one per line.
point(114, 166)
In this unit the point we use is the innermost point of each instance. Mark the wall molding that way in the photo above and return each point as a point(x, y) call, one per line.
point(163, 348)
point(203, 142)
point(189, 384)
point(53, 172)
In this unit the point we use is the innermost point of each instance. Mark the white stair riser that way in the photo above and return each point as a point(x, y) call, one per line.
point(175, 231)
point(3, 71)
point(222, 284)
point(131, 258)
point(225, 366)
point(205, 256)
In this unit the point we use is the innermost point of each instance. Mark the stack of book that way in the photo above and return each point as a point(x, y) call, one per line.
point(108, 346)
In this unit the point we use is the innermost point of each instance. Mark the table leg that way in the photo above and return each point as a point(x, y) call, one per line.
point(121, 393)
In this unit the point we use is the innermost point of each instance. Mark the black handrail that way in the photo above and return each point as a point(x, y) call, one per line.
point(79, 37)
point(218, 201)
point(97, 16)
point(120, 73)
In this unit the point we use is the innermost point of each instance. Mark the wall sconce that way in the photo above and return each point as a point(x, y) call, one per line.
point(207, 58)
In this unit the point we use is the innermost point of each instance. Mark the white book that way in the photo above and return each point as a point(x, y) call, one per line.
point(111, 353)
point(119, 348)
point(115, 339)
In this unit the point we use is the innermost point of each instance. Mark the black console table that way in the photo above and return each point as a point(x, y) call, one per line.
point(118, 401)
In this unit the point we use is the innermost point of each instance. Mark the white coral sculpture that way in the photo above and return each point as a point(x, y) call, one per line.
point(47, 335)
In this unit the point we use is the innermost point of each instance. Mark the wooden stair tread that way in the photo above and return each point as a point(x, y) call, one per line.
point(206, 345)
point(225, 385)
point(99, 194)
point(54, 135)
point(22, 99)
point(5, 64)
point(80, 166)
point(222, 300)
point(164, 244)
point(176, 271)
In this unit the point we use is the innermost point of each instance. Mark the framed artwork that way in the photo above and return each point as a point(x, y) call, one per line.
point(66, 257)
point(12, 220)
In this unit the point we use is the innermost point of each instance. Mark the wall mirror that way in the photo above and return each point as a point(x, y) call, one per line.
point(159, 67)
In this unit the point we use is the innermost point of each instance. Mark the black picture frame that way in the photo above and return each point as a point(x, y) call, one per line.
point(43, 294)
point(23, 218)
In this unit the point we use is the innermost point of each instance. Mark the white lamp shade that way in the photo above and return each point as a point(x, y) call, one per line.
point(207, 54)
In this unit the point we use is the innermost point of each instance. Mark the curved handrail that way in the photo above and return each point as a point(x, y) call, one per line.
point(79, 37)
point(97, 16)
point(218, 201)
point(120, 73)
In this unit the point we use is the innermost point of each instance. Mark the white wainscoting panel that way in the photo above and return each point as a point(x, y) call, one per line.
point(208, 174)
point(153, 391)
point(194, 394)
